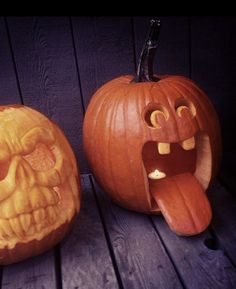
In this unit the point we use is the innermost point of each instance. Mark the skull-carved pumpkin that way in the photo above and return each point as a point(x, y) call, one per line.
point(153, 144)
point(39, 185)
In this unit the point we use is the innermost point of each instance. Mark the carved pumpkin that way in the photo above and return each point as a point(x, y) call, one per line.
point(39, 185)
point(153, 143)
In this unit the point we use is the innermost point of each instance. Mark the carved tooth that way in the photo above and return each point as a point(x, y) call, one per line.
point(31, 230)
point(57, 211)
point(39, 227)
point(163, 148)
point(50, 195)
point(51, 214)
point(188, 144)
point(5, 229)
point(39, 215)
point(16, 227)
point(25, 220)
point(7, 209)
point(21, 202)
point(37, 198)
point(156, 175)
point(2, 233)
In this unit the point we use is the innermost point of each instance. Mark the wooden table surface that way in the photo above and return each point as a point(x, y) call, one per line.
point(110, 247)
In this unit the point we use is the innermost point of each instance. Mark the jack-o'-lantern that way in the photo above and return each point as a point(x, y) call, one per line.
point(153, 143)
point(39, 185)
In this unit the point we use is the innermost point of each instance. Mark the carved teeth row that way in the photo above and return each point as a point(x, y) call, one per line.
point(22, 202)
point(28, 224)
point(164, 148)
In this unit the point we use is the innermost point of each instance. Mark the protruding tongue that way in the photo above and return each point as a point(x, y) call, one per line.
point(183, 203)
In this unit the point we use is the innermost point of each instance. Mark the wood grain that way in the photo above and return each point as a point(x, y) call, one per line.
point(9, 93)
point(141, 259)
point(86, 262)
point(224, 219)
point(198, 265)
point(104, 50)
point(214, 68)
point(46, 67)
point(172, 55)
point(34, 273)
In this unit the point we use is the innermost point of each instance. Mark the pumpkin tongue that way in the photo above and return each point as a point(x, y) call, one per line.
point(183, 203)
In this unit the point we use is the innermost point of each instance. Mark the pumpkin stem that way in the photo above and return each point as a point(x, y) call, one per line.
point(146, 59)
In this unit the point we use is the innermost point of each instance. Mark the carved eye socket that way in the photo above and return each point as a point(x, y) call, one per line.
point(41, 158)
point(184, 105)
point(155, 114)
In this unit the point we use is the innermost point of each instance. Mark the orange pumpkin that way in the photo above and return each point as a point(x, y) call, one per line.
point(153, 143)
point(39, 184)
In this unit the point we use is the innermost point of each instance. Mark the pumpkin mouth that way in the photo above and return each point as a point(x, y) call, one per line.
point(178, 175)
point(44, 216)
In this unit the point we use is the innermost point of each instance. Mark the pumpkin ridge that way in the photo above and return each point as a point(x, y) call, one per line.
point(116, 100)
point(97, 115)
point(166, 95)
point(215, 129)
point(201, 95)
point(205, 113)
point(181, 95)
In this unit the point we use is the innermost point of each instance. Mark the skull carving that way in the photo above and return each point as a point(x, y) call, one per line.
point(39, 185)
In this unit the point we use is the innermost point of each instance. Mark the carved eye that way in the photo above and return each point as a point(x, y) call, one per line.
point(155, 114)
point(41, 158)
point(184, 105)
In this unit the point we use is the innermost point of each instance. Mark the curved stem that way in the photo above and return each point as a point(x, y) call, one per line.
point(145, 65)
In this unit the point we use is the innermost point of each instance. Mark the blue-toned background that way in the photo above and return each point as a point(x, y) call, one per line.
point(55, 64)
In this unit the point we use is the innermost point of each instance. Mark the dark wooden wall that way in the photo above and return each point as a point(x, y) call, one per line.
point(55, 64)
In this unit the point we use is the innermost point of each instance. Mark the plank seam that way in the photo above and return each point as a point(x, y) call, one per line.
point(107, 237)
point(133, 43)
point(77, 65)
point(57, 264)
point(181, 280)
point(13, 60)
point(221, 246)
point(1, 273)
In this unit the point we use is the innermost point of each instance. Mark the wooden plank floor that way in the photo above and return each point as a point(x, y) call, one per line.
point(110, 247)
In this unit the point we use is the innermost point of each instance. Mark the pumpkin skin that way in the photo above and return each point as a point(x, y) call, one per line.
point(119, 142)
point(39, 184)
